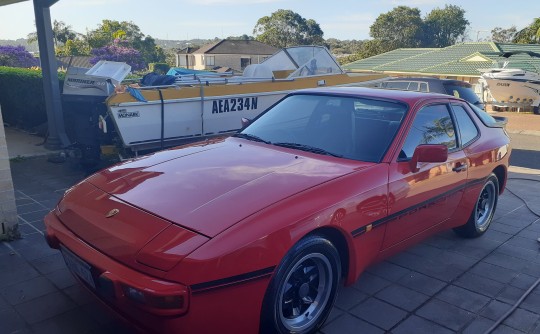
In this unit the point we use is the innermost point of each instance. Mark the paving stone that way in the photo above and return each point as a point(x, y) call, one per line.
point(532, 302)
point(44, 307)
point(422, 283)
point(525, 239)
point(29, 207)
point(49, 263)
point(482, 285)
point(15, 274)
point(497, 236)
point(26, 229)
point(446, 267)
point(61, 278)
point(334, 314)
point(425, 250)
point(349, 324)
point(75, 321)
point(494, 272)
point(28, 241)
point(379, 313)
point(36, 252)
point(523, 281)
point(419, 325)
point(34, 216)
point(495, 309)
point(522, 320)
point(370, 284)
point(349, 297)
point(476, 248)
point(519, 251)
point(388, 271)
point(478, 325)
point(465, 299)
point(402, 297)
point(502, 329)
point(504, 228)
point(27, 290)
point(10, 321)
point(444, 240)
point(445, 314)
point(79, 294)
point(510, 262)
point(510, 294)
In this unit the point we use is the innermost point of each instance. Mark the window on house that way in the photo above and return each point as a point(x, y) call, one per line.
point(210, 60)
point(244, 62)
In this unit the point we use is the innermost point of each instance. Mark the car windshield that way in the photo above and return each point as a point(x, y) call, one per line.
point(462, 92)
point(349, 127)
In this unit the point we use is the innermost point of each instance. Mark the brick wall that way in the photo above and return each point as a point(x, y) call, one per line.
point(8, 210)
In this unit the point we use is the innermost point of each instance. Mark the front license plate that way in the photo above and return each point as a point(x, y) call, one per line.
point(78, 266)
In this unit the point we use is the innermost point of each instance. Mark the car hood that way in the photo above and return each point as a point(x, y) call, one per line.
point(208, 188)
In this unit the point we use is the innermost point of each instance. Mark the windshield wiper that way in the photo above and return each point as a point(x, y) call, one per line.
point(308, 148)
point(251, 137)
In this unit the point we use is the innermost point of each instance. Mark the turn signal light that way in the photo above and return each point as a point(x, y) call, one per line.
point(170, 304)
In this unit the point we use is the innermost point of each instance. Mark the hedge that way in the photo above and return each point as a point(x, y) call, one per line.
point(22, 97)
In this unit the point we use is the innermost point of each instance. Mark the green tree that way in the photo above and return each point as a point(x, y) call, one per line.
point(61, 33)
point(74, 47)
point(110, 32)
point(444, 27)
point(402, 27)
point(501, 35)
point(529, 34)
point(286, 28)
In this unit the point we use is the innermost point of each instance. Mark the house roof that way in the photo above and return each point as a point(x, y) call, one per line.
point(76, 61)
point(464, 59)
point(229, 46)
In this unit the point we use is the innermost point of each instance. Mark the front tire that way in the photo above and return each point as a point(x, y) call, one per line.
point(303, 290)
point(483, 210)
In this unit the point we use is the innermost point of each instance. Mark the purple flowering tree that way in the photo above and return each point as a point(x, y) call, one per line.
point(16, 56)
point(116, 52)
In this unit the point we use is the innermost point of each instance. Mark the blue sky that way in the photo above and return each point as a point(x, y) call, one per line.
point(188, 19)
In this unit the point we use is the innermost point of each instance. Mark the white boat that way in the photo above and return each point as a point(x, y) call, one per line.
point(513, 86)
point(203, 106)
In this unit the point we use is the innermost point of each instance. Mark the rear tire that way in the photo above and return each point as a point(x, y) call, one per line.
point(483, 210)
point(303, 289)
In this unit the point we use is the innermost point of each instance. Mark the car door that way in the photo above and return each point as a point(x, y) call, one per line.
point(419, 200)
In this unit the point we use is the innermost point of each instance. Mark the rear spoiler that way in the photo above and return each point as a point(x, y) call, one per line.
point(501, 122)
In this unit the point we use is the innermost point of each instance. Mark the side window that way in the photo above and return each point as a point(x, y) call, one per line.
point(467, 129)
point(413, 86)
point(423, 87)
point(432, 125)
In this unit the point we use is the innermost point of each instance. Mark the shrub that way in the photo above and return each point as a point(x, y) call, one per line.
point(22, 97)
point(16, 56)
point(119, 53)
point(161, 68)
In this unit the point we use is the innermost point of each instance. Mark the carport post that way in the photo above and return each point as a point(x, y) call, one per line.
point(57, 137)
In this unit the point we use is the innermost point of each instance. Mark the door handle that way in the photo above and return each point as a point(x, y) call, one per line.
point(459, 168)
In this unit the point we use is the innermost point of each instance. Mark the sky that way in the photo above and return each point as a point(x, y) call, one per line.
point(207, 19)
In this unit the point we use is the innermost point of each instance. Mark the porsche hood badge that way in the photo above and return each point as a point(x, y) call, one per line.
point(112, 213)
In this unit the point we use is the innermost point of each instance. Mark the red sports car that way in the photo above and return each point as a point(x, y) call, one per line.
point(254, 233)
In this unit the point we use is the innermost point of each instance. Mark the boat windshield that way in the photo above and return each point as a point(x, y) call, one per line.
point(303, 61)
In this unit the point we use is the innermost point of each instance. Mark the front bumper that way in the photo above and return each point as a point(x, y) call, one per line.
point(234, 309)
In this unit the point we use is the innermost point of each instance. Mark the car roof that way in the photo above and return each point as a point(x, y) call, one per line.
point(390, 94)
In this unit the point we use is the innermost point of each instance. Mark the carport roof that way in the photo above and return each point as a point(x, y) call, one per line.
point(9, 2)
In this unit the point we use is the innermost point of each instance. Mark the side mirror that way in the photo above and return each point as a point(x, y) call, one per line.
point(245, 122)
point(428, 153)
